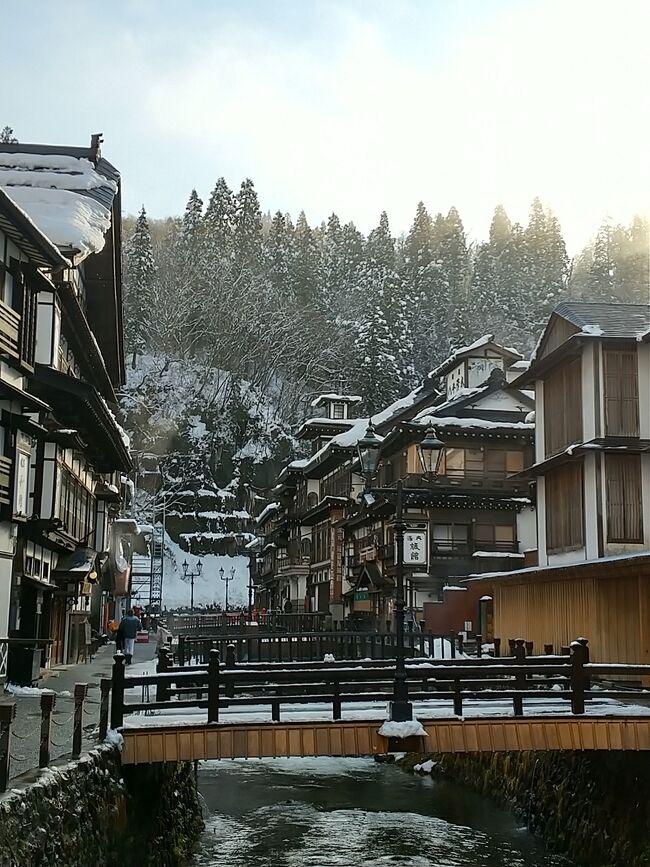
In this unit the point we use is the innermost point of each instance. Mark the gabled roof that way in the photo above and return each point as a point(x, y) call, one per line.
point(67, 192)
point(574, 322)
point(599, 319)
point(485, 342)
point(20, 228)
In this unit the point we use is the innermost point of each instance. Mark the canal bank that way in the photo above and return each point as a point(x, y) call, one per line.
point(94, 813)
point(592, 806)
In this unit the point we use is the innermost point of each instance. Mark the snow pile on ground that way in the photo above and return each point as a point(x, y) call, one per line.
point(425, 767)
point(329, 657)
point(408, 729)
point(14, 689)
point(114, 738)
point(209, 589)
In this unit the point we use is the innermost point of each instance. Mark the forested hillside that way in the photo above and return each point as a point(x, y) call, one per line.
point(235, 319)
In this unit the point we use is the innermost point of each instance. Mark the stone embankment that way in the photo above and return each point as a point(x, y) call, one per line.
point(594, 807)
point(94, 813)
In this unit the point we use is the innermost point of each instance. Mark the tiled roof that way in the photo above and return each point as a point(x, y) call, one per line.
point(611, 320)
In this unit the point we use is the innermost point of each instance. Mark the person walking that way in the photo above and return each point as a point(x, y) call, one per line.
point(129, 627)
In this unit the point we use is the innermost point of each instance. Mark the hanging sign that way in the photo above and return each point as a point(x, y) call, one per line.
point(415, 548)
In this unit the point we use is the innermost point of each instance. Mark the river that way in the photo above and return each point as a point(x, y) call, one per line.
point(353, 813)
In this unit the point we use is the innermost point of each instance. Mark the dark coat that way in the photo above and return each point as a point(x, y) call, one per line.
point(130, 626)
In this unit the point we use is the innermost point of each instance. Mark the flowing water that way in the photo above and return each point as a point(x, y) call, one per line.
point(353, 813)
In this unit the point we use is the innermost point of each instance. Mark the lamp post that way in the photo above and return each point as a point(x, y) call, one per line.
point(192, 576)
point(227, 577)
point(430, 451)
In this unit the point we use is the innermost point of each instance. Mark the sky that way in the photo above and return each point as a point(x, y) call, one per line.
point(353, 106)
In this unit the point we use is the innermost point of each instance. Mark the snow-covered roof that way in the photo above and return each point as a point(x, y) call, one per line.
point(462, 351)
point(268, 510)
point(426, 419)
point(599, 319)
point(65, 196)
point(337, 398)
point(20, 227)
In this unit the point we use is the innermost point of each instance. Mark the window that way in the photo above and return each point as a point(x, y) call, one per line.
point(454, 462)
point(563, 407)
point(474, 462)
point(624, 499)
point(338, 410)
point(564, 519)
point(621, 393)
point(497, 537)
point(450, 537)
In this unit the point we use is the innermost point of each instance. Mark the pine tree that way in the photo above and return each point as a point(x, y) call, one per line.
point(140, 276)
point(279, 255)
point(248, 229)
point(7, 136)
point(305, 264)
point(219, 224)
point(380, 246)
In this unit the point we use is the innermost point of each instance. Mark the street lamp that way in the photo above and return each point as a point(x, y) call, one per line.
point(227, 577)
point(192, 576)
point(430, 451)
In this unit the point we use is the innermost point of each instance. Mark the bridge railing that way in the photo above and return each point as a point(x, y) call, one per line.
point(312, 646)
point(230, 685)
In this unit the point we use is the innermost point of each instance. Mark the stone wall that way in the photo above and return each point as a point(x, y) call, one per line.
point(593, 806)
point(94, 813)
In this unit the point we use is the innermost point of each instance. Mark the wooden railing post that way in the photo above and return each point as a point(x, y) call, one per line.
point(529, 648)
point(336, 700)
point(213, 686)
point(479, 646)
point(163, 665)
point(117, 689)
point(585, 644)
point(105, 694)
point(458, 698)
point(548, 650)
point(230, 664)
point(578, 657)
point(80, 693)
point(7, 716)
point(181, 650)
point(511, 646)
point(48, 700)
point(460, 642)
point(520, 678)
point(452, 644)
point(497, 648)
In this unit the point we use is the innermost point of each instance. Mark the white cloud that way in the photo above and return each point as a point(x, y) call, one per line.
point(549, 99)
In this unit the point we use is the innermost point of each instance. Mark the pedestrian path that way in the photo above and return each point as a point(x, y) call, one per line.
point(62, 680)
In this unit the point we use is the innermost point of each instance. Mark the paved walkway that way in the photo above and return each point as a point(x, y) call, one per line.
point(62, 680)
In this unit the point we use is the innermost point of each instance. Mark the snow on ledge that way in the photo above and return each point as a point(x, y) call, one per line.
point(408, 729)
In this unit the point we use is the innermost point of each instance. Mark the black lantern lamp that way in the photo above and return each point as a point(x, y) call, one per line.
point(199, 567)
point(186, 566)
point(430, 452)
point(368, 448)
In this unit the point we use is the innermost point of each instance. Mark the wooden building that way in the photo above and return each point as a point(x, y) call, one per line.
point(591, 374)
point(328, 548)
point(62, 359)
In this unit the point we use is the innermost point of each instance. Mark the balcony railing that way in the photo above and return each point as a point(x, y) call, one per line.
point(5, 480)
point(9, 331)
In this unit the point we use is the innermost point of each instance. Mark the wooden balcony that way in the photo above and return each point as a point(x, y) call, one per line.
point(9, 331)
point(5, 480)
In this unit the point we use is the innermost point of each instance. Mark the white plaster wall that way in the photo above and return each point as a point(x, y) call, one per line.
point(7, 547)
point(527, 529)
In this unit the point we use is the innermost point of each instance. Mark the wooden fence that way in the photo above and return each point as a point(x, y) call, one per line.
point(229, 684)
point(312, 646)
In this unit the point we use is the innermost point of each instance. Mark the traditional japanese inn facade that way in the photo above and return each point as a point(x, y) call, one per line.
point(591, 374)
point(64, 454)
point(329, 546)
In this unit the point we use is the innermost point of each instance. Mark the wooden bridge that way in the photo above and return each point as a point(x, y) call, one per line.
point(245, 710)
